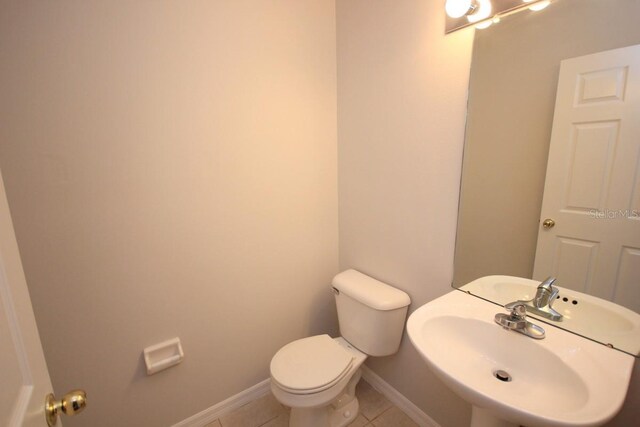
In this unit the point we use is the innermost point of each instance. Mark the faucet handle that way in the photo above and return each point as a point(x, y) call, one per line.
point(546, 293)
point(518, 311)
point(517, 320)
point(547, 283)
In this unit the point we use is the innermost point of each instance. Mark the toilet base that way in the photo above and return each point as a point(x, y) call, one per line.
point(339, 413)
point(325, 416)
point(343, 416)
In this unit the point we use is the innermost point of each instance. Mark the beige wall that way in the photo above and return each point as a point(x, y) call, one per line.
point(401, 113)
point(509, 126)
point(402, 91)
point(171, 171)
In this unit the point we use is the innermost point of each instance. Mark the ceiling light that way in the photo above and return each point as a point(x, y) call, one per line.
point(483, 11)
point(460, 8)
point(540, 5)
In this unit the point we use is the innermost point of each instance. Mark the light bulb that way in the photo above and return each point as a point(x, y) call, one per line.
point(539, 6)
point(483, 25)
point(483, 11)
point(460, 8)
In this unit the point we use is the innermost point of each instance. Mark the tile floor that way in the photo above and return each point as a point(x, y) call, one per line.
point(375, 411)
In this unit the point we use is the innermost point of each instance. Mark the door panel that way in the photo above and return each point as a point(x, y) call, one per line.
point(590, 164)
point(574, 261)
point(601, 86)
point(627, 287)
point(25, 379)
point(12, 378)
point(592, 187)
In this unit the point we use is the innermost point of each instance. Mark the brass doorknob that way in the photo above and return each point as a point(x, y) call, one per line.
point(70, 404)
point(548, 223)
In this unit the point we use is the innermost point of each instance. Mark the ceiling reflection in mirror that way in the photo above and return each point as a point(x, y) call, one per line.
point(512, 98)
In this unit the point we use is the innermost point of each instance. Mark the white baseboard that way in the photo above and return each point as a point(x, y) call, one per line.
point(407, 406)
point(218, 410)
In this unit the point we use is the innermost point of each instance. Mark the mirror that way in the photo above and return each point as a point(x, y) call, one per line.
point(512, 94)
point(461, 14)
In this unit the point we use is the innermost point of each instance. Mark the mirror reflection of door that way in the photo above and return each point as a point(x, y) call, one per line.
point(592, 190)
point(512, 93)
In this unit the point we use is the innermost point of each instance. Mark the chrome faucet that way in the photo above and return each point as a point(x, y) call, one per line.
point(517, 321)
point(541, 304)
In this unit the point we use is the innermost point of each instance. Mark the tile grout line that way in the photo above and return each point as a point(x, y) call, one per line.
point(369, 422)
point(380, 414)
point(268, 421)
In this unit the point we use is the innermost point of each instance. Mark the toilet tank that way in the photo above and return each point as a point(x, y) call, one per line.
point(371, 314)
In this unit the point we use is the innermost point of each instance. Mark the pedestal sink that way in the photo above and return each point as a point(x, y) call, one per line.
point(563, 380)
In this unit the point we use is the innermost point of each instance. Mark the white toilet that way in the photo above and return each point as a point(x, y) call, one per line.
point(317, 376)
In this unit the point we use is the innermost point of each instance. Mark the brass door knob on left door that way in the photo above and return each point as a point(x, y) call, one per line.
point(548, 223)
point(70, 404)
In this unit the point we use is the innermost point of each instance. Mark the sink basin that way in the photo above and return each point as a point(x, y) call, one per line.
point(590, 316)
point(561, 380)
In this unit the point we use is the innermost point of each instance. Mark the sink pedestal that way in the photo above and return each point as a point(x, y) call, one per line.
point(483, 418)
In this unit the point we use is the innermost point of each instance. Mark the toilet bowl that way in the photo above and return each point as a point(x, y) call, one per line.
point(317, 376)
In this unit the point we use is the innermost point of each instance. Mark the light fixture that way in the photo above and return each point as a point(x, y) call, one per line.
point(539, 5)
point(483, 25)
point(483, 11)
point(460, 8)
point(486, 24)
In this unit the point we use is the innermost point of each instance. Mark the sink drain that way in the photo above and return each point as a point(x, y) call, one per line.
point(502, 375)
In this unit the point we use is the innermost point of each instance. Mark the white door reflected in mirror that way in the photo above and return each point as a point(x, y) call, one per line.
point(592, 188)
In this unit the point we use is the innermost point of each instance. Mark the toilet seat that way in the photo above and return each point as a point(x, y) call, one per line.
point(310, 365)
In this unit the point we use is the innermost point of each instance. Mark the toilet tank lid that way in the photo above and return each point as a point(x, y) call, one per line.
point(370, 291)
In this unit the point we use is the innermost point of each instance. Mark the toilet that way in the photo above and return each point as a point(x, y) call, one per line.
point(317, 376)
